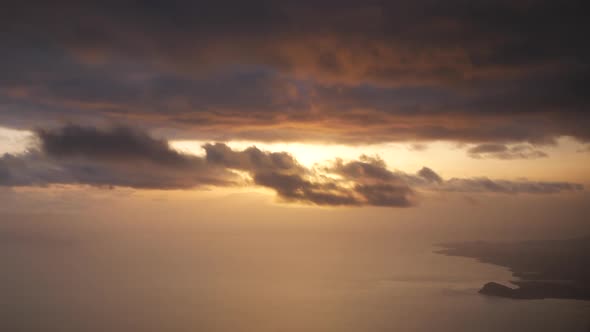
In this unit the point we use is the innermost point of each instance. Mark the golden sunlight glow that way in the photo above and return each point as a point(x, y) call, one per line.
point(446, 158)
point(14, 141)
point(568, 157)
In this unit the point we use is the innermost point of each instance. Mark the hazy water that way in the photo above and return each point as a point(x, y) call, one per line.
point(257, 280)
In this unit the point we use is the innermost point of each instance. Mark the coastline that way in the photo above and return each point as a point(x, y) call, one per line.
point(543, 269)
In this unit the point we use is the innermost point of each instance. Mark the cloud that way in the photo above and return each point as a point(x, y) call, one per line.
point(476, 185)
point(37, 169)
point(122, 156)
point(118, 143)
point(118, 156)
point(486, 72)
point(251, 159)
point(126, 157)
point(366, 169)
point(360, 41)
point(296, 188)
point(479, 185)
point(364, 182)
point(385, 194)
point(430, 175)
point(501, 151)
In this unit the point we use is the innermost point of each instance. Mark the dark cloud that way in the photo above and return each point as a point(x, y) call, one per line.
point(295, 188)
point(364, 182)
point(252, 159)
point(118, 156)
point(365, 169)
point(501, 151)
point(386, 194)
point(430, 175)
point(126, 157)
point(37, 169)
point(346, 71)
point(119, 143)
point(487, 148)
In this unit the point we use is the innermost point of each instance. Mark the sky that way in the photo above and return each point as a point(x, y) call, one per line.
point(395, 110)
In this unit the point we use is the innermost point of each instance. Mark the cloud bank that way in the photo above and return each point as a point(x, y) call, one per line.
point(127, 157)
point(349, 72)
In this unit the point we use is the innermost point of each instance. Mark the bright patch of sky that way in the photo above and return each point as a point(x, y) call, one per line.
point(14, 141)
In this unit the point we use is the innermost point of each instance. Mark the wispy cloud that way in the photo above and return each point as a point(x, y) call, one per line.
point(501, 151)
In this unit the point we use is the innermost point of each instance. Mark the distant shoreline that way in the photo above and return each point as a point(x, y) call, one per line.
point(556, 269)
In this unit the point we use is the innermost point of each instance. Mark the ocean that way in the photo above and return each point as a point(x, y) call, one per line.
point(257, 280)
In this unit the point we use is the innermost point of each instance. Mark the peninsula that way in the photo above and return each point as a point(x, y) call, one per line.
point(544, 269)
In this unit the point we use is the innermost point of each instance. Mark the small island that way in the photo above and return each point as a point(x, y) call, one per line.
point(545, 269)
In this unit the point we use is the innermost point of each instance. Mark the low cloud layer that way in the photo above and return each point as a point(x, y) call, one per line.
point(483, 185)
point(127, 157)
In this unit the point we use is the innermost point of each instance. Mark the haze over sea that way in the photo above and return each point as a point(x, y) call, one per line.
point(159, 274)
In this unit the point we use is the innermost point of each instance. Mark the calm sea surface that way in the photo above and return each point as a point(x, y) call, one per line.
point(258, 281)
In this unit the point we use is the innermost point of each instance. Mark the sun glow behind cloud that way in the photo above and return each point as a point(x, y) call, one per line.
point(14, 141)
point(448, 158)
point(567, 157)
